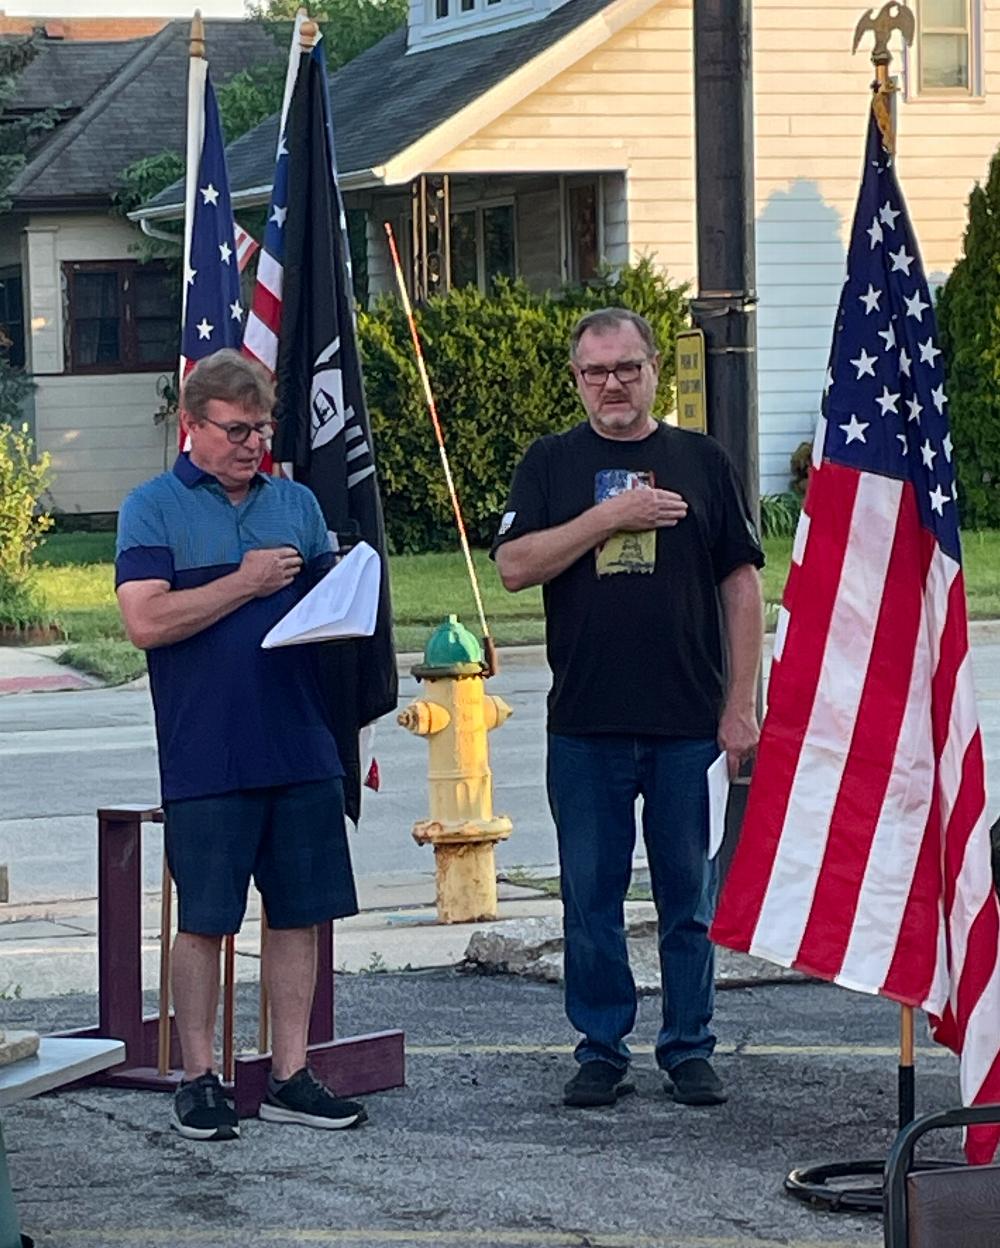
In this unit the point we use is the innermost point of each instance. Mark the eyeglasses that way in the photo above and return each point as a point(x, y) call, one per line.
point(240, 430)
point(596, 375)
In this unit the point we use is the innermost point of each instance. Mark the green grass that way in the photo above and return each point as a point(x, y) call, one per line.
point(76, 576)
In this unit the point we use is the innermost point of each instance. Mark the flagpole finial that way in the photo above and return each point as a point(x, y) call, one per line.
point(890, 18)
point(308, 33)
point(197, 42)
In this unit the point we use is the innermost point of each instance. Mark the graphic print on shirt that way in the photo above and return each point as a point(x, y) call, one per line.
point(624, 552)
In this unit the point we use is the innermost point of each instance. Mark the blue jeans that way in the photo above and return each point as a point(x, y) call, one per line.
point(593, 783)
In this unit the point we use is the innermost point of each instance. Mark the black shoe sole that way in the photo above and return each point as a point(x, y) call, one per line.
point(593, 1100)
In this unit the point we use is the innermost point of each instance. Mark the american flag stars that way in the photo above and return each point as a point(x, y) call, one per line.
point(213, 280)
point(884, 393)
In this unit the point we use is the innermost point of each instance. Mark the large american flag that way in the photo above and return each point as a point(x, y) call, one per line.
point(865, 855)
point(213, 313)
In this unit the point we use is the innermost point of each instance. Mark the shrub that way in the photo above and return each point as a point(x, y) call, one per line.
point(779, 514)
point(23, 480)
point(499, 369)
point(969, 321)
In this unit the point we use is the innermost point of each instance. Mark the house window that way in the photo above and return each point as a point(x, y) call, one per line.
point(482, 246)
point(11, 318)
point(947, 47)
point(440, 8)
point(121, 317)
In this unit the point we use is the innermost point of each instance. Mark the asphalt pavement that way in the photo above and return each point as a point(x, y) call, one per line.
point(477, 1150)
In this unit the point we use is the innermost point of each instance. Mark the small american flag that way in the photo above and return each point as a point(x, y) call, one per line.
point(213, 314)
point(246, 245)
point(865, 855)
point(263, 329)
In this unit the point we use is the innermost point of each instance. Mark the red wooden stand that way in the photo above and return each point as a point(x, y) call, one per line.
point(353, 1066)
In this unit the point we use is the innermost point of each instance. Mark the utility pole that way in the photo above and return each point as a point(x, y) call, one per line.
point(725, 307)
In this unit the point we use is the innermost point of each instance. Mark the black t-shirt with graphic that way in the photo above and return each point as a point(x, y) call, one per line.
point(633, 629)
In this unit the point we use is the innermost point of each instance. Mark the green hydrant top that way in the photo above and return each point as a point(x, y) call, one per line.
point(451, 650)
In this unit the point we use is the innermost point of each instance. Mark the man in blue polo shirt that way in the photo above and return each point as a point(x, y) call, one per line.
point(209, 557)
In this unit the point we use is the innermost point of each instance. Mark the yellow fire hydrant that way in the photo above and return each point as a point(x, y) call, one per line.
point(455, 714)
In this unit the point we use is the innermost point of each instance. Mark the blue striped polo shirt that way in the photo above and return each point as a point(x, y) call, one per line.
point(229, 715)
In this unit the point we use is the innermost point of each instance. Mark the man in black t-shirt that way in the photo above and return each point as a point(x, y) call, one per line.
point(641, 537)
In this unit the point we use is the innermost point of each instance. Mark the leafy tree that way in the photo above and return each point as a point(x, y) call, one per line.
point(969, 321)
point(351, 26)
point(17, 133)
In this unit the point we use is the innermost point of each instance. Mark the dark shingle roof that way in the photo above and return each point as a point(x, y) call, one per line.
point(384, 100)
point(66, 75)
point(138, 111)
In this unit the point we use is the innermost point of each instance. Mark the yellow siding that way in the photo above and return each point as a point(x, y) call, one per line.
point(625, 106)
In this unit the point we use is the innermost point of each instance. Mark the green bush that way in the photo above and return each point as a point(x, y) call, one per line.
point(499, 369)
point(969, 321)
point(23, 480)
point(779, 514)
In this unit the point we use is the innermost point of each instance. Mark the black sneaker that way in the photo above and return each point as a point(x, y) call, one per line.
point(694, 1082)
point(303, 1099)
point(597, 1083)
point(201, 1111)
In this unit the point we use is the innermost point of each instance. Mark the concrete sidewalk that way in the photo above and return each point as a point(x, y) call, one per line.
point(34, 669)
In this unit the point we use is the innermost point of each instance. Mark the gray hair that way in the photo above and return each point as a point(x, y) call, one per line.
point(230, 377)
point(604, 319)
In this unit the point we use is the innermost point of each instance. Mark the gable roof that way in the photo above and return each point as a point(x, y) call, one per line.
point(137, 110)
point(67, 75)
point(385, 100)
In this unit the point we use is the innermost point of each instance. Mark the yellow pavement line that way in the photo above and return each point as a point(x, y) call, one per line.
point(743, 1050)
point(366, 1236)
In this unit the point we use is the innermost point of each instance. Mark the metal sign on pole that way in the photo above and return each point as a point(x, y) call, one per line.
point(692, 409)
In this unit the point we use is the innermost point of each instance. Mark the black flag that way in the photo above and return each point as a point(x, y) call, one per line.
point(323, 430)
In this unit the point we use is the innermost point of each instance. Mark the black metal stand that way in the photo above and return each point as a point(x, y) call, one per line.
point(832, 1185)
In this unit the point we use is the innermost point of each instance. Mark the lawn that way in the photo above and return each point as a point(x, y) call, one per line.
point(76, 575)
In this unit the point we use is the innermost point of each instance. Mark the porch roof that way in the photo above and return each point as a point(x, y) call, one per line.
point(385, 101)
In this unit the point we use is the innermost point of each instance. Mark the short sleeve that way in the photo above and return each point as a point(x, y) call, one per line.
point(317, 537)
point(142, 547)
point(736, 540)
point(527, 506)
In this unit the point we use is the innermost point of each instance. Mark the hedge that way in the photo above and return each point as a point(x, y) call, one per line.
point(968, 313)
point(499, 369)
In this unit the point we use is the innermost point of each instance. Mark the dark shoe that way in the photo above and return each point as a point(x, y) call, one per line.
point(303, 1099)
point(694, 1082)
point(201, 1111)
point(597, 1083)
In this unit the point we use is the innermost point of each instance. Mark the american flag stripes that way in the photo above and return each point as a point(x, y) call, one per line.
point(865, 855)
point(263, 327)
point(246, 246)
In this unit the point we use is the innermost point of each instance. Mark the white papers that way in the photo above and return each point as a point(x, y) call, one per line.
point(343, 604)
point(718, 795)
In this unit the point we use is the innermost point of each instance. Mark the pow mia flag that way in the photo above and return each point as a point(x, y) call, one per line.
point(323, 430)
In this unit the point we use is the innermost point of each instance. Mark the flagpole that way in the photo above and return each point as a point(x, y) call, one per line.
point(489, 647)
point(892, 18)
point(197, 72)
point(828, 1185)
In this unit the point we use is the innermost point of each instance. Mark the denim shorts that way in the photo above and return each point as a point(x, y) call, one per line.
point(290, 839)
